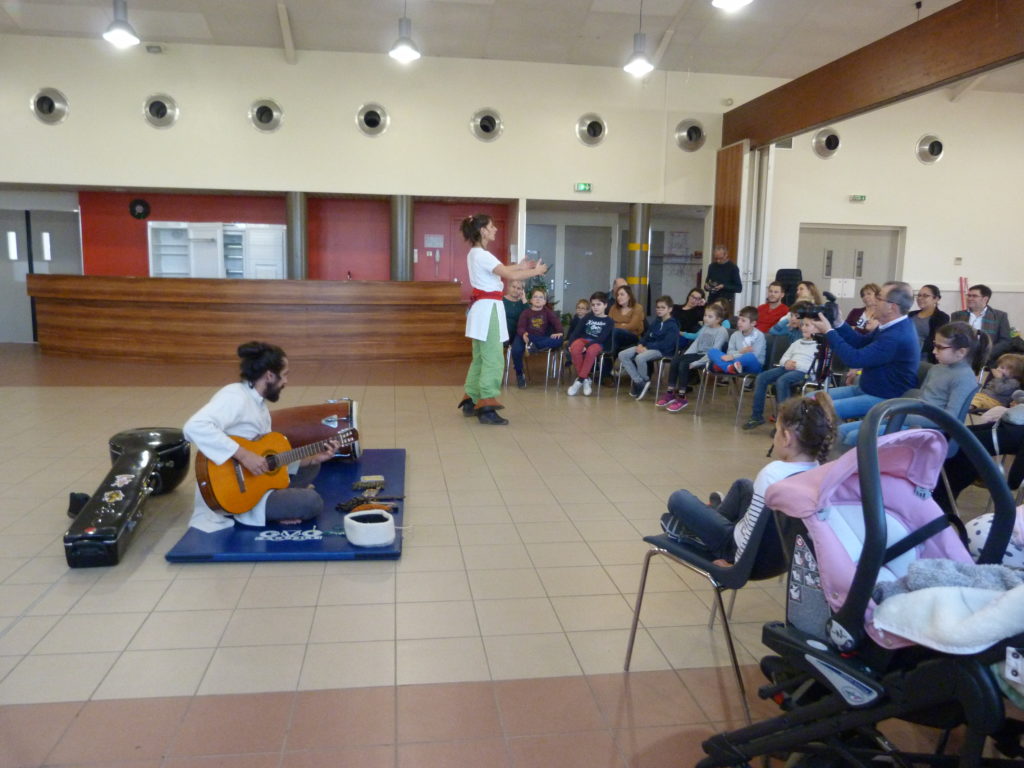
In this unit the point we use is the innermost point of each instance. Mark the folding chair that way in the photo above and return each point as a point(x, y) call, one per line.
point(659, 364)
point(762, 559)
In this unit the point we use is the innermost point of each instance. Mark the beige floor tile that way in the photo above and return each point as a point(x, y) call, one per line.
point(432, 586)
point(752, 604)
point(620, 552)
point(604, 651)
point(660, 578)
point(430, 620)
point(253, 669)
point(490, 556)
point(358, 588)
point(425, 535)
point(142, 674)
point(121, 597)
point(61, 677)
point(217, 571)
point(536, 513)
point(480, 514)
point(687, 647)
point(548, 532)
point(201, 595)
point(444, 660)
point(475, 498)
point(476, 534)
point(278, 568)
point(280, 591)
point(519, 656)
point(424, 515)
point(91, 633)
point(268, 626)
point(180, 629)
point(430, 559)
point(505, 583)
point(591, 612)
point(19, 636)
point(606, 530)
point(599, 510)
point(42, 570)
point(560, 554)
point(15, 599)
point(348, 665)
point(581, 580)
point(517, 616)
point(350, 623)
point(674, 609)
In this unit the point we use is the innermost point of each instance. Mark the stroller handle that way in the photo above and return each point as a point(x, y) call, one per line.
point(850, 617)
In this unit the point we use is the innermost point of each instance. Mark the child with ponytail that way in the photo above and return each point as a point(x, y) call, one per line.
point(805, 431)
point(961, 352)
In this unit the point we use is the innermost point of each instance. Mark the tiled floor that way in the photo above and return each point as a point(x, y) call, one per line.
point(497, 639)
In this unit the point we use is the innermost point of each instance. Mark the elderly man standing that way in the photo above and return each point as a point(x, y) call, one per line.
point(986, 319)
point(723, 281)
point(888, 356)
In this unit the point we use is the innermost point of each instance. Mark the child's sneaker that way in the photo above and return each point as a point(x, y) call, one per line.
point(521, 380)
point(732, 369)
point(675, 530)
point(677, 405)
point(588, 388)
point(665, 399)
point(642, 389)
point(575, 388)
point(738, 366)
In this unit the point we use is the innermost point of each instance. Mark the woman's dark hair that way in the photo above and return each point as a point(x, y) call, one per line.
point(472, 225)
point(960, 335)
point(699, 290)
point(813, 421)
point(815, 291)
point(629, 292)
point(934, 290)
point(258, 357)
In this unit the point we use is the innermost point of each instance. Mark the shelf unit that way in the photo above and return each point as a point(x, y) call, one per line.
point(235, 251)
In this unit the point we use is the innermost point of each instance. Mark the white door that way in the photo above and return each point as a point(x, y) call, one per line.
point(264, 252)
point(588, 260)
point(842, 260)
point(206, 250)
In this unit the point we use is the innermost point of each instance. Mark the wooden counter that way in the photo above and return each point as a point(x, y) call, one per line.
point(197, 320)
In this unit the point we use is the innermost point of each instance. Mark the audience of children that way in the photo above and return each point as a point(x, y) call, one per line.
point(804, 434)
point(961, 353)
point(660, 340)
point(791, 371)
point(628, 317)
point(539, 327)
point(1006, 378)
point(745, 353)
point(592, 336)
point(711, 336)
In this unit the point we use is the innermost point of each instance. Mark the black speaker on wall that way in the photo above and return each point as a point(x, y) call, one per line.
point(138, 208)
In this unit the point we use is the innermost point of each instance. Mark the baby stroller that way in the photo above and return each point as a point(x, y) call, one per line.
point(848, 525)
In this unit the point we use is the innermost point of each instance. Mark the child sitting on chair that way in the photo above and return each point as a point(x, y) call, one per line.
point(746, 347)
point(792, 369)
point(804, 433)
point(1006, 379)
point(659, 341)
point(711, 336)
point(582, 308)
point(592, 336)
point(538, 328)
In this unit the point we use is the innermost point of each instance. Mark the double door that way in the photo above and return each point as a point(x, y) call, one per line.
point(843, 260)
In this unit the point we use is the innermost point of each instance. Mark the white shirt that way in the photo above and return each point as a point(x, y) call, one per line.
point(481, 266)
point(236, 409)
point(976, 320)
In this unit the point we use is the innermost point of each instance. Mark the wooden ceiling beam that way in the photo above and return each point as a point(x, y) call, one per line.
point(963, 40)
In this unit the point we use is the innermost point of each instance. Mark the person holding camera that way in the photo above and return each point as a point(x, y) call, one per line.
point(723, 278)
point(889, 356)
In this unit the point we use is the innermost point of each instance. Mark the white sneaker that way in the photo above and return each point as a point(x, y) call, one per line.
point(575, 388)
point(588, 388)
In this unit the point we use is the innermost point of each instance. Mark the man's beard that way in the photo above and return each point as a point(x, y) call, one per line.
point(273, 392)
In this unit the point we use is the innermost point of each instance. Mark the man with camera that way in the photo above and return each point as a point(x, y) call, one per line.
point(723, 281)
point(888, 356)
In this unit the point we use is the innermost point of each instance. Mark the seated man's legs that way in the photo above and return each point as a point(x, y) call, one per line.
point(299, 501)
point(518, 348)
point(851, 402)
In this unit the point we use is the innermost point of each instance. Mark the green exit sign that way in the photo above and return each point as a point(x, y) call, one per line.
point(582, 186)
point(858, 198)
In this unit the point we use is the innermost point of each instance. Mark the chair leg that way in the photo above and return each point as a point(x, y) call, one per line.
point(636, 607)
point(949, 492)
point(657, 381)
point(732, 656)
point(508, 364)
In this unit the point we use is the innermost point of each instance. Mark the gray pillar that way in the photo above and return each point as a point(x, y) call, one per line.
point(298, 256)
point(639, 246)
point(401, 237)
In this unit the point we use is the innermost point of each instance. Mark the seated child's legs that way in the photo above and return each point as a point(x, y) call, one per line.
point(764, 380)
point(627, 362)
point(576, 353)
point(545, 342)
point(643, 360)
point(700, 520)
point(715, 356)
point(750, 362)
point(518, 348)
point(785, 383)
point(737, 499)
point(589, 358)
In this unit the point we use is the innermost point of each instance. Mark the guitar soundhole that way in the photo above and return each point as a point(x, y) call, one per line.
point(272, 463)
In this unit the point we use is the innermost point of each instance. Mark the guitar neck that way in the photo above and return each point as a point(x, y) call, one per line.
point(305, 451)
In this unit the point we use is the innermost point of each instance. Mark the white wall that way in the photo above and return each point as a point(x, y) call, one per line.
point(967, 205)
point(428, 149)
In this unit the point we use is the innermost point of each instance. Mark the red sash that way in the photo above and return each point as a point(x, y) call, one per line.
point(478, 294)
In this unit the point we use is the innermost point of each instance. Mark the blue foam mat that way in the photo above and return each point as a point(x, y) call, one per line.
point(306, 542)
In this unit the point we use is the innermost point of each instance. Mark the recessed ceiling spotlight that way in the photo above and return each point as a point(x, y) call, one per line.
point(730, 5)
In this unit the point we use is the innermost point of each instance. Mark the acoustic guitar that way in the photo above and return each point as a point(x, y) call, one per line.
point(231, 488)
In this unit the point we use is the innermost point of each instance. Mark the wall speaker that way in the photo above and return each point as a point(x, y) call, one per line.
point(690, 135)
point(930, 149)
point(265, 115)
point(486, 125)
point(591, 129)
point(825, 143)
point(50, 106)
point(372, 119)
point(160, 111)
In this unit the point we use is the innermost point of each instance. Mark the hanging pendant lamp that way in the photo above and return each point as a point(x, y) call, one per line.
point(120, 33)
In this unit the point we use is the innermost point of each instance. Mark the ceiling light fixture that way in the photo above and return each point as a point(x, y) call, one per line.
point(120, 33)
point(404, 49)
point(638, 64)
point(730, 5)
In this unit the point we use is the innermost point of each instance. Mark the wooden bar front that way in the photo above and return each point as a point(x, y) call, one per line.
point(197, 320)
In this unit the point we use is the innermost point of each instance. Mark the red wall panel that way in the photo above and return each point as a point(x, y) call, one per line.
point(113, 243)
point(348, 236)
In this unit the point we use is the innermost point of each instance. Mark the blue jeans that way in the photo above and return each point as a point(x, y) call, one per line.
point(849, 433)
point(519, 347)
point(784, 382)
point(635, 364)
point(713, 526)
point(748, 360)
point(852, 402)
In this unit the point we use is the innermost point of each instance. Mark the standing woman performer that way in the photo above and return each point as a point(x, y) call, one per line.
point(485, 321)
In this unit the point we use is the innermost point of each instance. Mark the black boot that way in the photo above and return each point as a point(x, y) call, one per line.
point(488, 415)
point(467, 407)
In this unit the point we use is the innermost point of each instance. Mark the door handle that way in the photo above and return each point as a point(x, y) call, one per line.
point(566, 283)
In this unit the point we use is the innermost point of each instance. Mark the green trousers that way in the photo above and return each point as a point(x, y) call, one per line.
point(484, 377)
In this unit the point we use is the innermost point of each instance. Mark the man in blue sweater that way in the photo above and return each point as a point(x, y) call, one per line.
point(888, 356)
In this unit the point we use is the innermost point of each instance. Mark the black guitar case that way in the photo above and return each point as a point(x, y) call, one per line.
point(145, 461)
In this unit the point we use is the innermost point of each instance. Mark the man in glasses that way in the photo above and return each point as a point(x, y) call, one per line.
point(986, 319)
point(888, 356)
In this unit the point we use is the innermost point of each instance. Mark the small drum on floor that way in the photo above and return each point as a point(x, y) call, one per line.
point(145, 461)
point(305, 424)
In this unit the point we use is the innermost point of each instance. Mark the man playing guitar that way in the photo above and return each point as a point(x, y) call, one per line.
point(240, 410)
